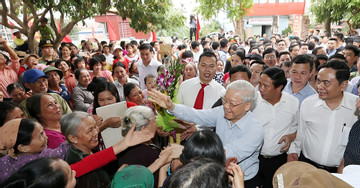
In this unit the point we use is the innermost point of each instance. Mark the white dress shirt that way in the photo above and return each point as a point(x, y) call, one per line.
point(278, 120)
point(146, 70)
point(189, 90)
point(120, 87)
point(323, 133)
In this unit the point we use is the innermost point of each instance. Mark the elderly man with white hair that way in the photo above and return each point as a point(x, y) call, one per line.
point(242, 135)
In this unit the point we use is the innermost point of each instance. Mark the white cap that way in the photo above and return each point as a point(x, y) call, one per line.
point(15, 30)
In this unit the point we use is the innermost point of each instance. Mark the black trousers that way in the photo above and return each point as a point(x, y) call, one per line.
point(253, 182)
point(327, 168)
point(192, 32)
point(268, 167)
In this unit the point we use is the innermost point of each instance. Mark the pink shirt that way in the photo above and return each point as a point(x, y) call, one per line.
point(9, 75)
point(106, 74)
point(55, 138)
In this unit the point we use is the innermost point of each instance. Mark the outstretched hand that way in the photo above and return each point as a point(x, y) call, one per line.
point(160, 99)
point(133, 137)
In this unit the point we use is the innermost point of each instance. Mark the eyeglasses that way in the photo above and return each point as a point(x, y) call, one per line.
point(269, 57)
point(231, 105)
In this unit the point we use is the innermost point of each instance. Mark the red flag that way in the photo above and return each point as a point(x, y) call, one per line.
point(112, 35)
point(197, 27)
point(154, 36)
point(92, 31)
point(66, 38)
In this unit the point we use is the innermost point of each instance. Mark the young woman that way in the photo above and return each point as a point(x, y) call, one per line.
point(96, 67)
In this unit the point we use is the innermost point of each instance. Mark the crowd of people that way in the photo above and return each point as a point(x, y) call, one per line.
point(265, 112)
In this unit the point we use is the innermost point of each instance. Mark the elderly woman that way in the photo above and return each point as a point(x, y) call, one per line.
point(54, 77)
point(143, 154)
point(82, 133)
point(82, 97)
point(46, 110)
point(17, 93)
point(26, 141)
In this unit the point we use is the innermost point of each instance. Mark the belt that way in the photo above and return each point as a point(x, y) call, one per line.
point(327, 168)
point(271, 157)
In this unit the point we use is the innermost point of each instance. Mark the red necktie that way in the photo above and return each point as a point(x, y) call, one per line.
point(200, 98)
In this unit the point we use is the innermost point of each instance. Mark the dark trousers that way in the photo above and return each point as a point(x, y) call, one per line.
point(253, 182)
point(192, 32)
point(327, 168)
point(268, 167)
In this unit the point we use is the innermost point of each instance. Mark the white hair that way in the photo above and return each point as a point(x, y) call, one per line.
point(250, 93)
point(140, 115)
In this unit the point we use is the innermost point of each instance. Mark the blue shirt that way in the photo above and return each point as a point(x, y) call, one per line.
point(65, 94)
point(302, 94)
point(242, 140)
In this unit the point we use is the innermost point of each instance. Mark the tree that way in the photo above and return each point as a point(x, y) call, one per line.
point(179, 29)
point(330, 11)
point(145, 15)
point(236, 10)
point(210, 27)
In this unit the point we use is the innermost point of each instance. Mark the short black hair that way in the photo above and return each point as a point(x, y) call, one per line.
point(187, 54)
point(291, 47)
point(277, 75)
point(208, 54)
point(352, 48)
point(303, 59)
point(283, 53)
point(339, 35)
point(146, 46)
point(338, 56)
point(194, 44)
point(215, 45)
point(240, 68)
point(240, 54)
point(260, 62)
point(315, 50)
point(269, 51)
point(223, 43)
point(341, 67)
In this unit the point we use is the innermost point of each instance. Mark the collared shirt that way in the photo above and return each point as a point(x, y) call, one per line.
point(190, 88)
point(109, 59)
point(44, 61)
point(120, 87)
point(70, 82)
point(330, 53)
point(278, 120)
point(9, 75)
point(146, 70)
point(302, 94)
point(323, 133)
point(242, 140)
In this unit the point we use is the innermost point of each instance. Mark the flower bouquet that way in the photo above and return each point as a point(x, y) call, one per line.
point(167, 82)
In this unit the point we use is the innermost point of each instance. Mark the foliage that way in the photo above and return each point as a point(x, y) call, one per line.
point(178, 28)
point(209, 27)
point(337, 10)
point(287, 30)
point(144, 15)
point(236, 8)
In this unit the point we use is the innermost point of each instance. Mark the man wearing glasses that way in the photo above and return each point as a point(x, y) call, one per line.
point(325, 119)
point(271, 57)
point(241, 134)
